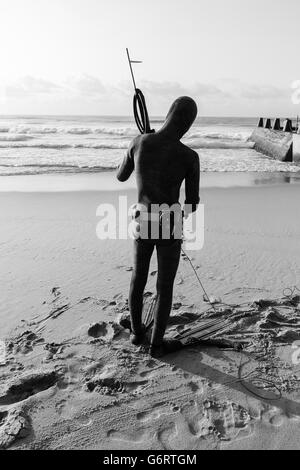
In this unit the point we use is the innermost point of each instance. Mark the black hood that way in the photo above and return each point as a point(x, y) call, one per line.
point(181, 116)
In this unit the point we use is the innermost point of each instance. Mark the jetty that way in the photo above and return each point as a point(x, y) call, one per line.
point(278, 139)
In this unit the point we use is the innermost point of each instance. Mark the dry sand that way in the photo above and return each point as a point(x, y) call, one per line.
point(65, 385)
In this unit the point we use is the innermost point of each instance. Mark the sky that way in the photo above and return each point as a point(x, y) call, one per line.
point(234, 57)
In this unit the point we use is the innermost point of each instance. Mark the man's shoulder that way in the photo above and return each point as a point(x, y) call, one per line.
point(189, 152)
point(141, 142)
point(135, 141)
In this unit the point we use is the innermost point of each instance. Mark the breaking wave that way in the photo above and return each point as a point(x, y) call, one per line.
point(219, 144)
point(201, 143)
point(61, 146)
point(220, 135)
point(76, 144)
point(39, 169)
point(14, 138)
point(35, 130)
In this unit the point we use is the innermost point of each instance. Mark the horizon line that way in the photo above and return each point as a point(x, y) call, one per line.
point(132, 117)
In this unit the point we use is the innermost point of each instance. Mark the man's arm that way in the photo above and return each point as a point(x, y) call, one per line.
point(127, 166)
point(192, 183)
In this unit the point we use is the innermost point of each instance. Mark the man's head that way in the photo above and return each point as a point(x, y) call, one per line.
point(181, 116)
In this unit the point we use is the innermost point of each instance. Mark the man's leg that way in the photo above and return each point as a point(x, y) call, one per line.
point(168, 257)
point(142, 252)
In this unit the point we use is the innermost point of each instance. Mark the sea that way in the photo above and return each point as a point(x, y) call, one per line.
point(31, 145)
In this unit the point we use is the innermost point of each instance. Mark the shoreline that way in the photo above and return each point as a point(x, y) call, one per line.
point(99, 392)
point(106, 181)
point(44, 231)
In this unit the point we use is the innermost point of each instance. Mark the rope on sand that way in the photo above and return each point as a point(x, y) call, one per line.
point(290, 293)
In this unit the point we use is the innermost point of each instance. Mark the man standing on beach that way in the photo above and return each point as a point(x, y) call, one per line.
point(161, 163)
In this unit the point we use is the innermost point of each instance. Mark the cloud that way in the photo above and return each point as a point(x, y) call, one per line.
point(166, 89)
point(160, 95)
point(89, 94)
point(163, 89)
point(238, 89)
point(205, 90)
point(28, 86)
point(87, 85)
point(264, 92)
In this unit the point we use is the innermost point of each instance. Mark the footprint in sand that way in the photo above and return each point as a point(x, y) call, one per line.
point(177, 305)
point(152, 415)
point(136, 437)
point(151, 373)
point(26, 385)
point(193, 386)
point(176, 409)
point(226, 421)
point(273, 415)
point(59, 407)
point(147, 374)
point(97, 330)
point(165, 434)
point(158, 410)
point(24, 343)
point(105, 331)
point(191, 406)
point(69, 412)
point(208, 421)
point(14, 424)
point(113, 386)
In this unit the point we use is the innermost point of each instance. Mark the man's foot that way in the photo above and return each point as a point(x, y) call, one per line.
point(139, 338)
point(168, 346)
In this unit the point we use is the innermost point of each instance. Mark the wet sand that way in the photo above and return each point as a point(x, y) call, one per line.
point(90, 387)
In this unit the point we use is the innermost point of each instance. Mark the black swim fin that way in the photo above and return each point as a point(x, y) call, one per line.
point(148, 312)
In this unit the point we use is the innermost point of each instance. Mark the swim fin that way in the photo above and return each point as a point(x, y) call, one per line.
point(199, 330)
point(148, 312)
point(203, 330)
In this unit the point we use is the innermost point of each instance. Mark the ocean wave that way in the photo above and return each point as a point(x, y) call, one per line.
point(44, 130)
point(14, 138)
point(50, 146)
point(114, 146)
point(220, 135)
point(32, 130)
point(36, 146)
point(219, 144)
point(118, 131)
point(206, 167)
point(121, 131)
point(78, 131)
point(60, 165)
point(120, 145)
point(31, 169)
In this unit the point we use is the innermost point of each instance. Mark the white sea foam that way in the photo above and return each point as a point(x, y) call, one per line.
point(92, 144)
point(34, 130)
point(122, 131)
point(219, 144)
point(62, 146)
point(14, 138)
